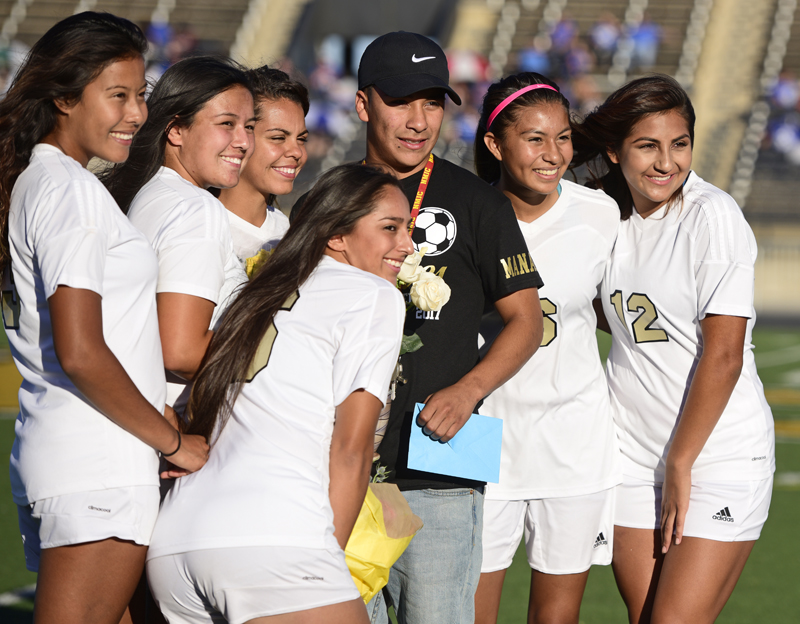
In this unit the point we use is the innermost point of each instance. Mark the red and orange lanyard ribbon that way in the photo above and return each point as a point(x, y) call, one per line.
point(423, 186)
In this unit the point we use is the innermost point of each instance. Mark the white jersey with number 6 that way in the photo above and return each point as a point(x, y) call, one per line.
point(266, 480)
point(667, 272)
point(558, 434)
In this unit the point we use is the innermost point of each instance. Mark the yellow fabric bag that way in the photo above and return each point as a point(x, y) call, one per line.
point(383, 530)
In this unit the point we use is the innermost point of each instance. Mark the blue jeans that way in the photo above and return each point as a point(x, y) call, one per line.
point(435, 579)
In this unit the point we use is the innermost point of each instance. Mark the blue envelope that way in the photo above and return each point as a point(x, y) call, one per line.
point(473, 453)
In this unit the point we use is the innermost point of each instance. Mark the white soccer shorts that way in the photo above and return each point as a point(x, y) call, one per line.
point(127, 513)
point(724, 511)
point(236, 585)
point(562, 535)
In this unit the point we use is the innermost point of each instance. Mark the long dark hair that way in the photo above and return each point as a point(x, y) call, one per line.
point(59, 67)
point(606, 128)
point(341, 197)
point(486, 165)
point(271, 85)
point(177, 97)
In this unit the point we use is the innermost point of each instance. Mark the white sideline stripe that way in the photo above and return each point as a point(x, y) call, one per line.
point(787, 479)
point(778, 357)
point(11, 598)
point(9, 413)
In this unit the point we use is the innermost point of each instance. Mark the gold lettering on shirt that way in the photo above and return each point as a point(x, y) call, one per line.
point(506, 268)
point(432, 269)
point(512, 269)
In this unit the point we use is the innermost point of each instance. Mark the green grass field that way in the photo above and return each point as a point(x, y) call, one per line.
point(768, 591)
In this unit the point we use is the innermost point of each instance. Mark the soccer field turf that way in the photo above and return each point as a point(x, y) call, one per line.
point(768, 591)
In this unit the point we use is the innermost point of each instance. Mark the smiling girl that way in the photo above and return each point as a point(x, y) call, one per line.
point(695, 430)
point(289, 395)
point(78, 307)
point(559, 463)
point(198, 135)
point(279, 153)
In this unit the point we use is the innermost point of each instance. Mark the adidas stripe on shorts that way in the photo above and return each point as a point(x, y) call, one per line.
point(562, 535)
point(725, 511)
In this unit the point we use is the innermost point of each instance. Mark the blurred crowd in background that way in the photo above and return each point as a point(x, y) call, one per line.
point(572, 58)
point(566, 55)
point(783, 131)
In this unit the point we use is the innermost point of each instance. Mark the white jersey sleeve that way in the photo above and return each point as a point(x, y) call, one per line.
point(188, 228)
point(725, 253)
point(368, 353)
point(72, 246)
point(189, 262)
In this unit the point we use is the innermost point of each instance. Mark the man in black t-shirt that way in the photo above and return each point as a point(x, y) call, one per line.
point(480, 253)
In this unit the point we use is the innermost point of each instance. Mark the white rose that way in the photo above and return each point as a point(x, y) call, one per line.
point(429, 292)
point(410, 271)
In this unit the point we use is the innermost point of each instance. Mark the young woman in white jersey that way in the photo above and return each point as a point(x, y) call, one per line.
point(198, 135)
point(560, 459)
point(279, 153)
point(289, 395)
point(695, 431)
point(78, 309)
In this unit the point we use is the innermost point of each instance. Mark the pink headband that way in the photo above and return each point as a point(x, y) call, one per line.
point(513, 97)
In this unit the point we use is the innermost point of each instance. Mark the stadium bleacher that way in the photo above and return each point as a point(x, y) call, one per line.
point(539, 17)
point(213, 23)
point(211, 20)
point(39, 16)
point(673, 16)
point(139, 11)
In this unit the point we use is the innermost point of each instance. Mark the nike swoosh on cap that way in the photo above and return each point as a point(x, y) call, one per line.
point(414, 58)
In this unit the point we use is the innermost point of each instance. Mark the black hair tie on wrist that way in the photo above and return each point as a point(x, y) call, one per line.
point(176, 450)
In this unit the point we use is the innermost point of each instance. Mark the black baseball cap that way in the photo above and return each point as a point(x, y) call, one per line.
point(402, 63)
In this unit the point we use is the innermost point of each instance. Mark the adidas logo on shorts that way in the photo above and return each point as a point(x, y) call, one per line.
point(724, 515)
point(600, 541)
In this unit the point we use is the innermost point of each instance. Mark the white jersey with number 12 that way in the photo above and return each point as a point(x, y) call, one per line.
point(667, 272)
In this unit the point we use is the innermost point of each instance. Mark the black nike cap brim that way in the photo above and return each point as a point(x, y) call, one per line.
point(403, 86)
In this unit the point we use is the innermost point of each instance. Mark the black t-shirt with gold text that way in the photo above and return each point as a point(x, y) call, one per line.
point(475, 244)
